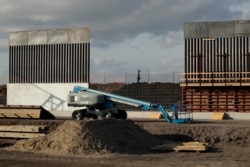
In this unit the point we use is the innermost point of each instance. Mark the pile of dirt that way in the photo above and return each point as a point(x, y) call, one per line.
point(3, 89)
point(165, 93)
point(3, 94)
point(92, 137)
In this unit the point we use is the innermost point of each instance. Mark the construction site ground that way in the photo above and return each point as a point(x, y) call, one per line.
point(122, 143)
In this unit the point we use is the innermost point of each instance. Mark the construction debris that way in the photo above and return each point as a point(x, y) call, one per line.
point(22, 131)
point(183, 146)
point(28, 112)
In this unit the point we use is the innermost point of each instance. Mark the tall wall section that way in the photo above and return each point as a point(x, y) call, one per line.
point(217, 66)
point(44, 65)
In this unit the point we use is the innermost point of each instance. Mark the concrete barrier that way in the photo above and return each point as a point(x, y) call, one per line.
point(196, 115)
point(155, 114)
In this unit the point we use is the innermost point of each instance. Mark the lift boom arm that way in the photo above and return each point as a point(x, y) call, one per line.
point(129, 101)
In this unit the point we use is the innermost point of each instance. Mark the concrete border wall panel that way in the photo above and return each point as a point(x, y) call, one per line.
point(50, 96)
point(55, 36)
point(216, 29)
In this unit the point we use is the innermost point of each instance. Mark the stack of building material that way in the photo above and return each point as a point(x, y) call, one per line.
point(25, 111)
point(181, 146)
point(22, 131)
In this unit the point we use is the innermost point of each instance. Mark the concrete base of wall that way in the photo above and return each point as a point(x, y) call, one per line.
point(51, 96)
point(228, 115)
point(196, 115)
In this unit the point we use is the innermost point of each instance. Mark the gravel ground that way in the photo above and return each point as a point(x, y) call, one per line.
point(126, 143)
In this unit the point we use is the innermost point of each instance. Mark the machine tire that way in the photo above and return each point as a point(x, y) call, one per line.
point(121, 114)
point(90, 115)
point(94, 116)
point(78, 115)
point(107, 115)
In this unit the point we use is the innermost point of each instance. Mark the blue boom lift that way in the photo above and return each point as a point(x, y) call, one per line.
point(95, 103)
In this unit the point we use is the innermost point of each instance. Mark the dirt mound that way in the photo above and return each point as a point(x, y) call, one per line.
point(91, 137)
point(165, 93)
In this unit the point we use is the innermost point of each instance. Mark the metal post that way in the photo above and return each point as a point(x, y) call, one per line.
point(125, 78)
point(138, 76)
point(148, 76)
point(104, 79)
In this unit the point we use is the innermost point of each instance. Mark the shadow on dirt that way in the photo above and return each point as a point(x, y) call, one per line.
point(175, 138)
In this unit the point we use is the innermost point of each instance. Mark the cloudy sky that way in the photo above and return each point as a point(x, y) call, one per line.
point(126, 35)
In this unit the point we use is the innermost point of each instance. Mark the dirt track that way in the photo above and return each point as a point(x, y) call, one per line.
point(229, 143)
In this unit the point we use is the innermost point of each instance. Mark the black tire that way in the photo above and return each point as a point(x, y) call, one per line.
point(94, 116)
point(78, 115)
point(107, 115)
point(121, 114)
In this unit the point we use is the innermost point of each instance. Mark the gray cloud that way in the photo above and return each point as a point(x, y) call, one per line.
point(112, 21)
point(156, 17)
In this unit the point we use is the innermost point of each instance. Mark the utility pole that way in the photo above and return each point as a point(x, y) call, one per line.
point(138, 76)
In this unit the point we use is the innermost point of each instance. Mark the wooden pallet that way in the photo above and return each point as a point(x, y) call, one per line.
point(25, 112)
point(22, 131)
point(181, 146)
point(15, 112)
